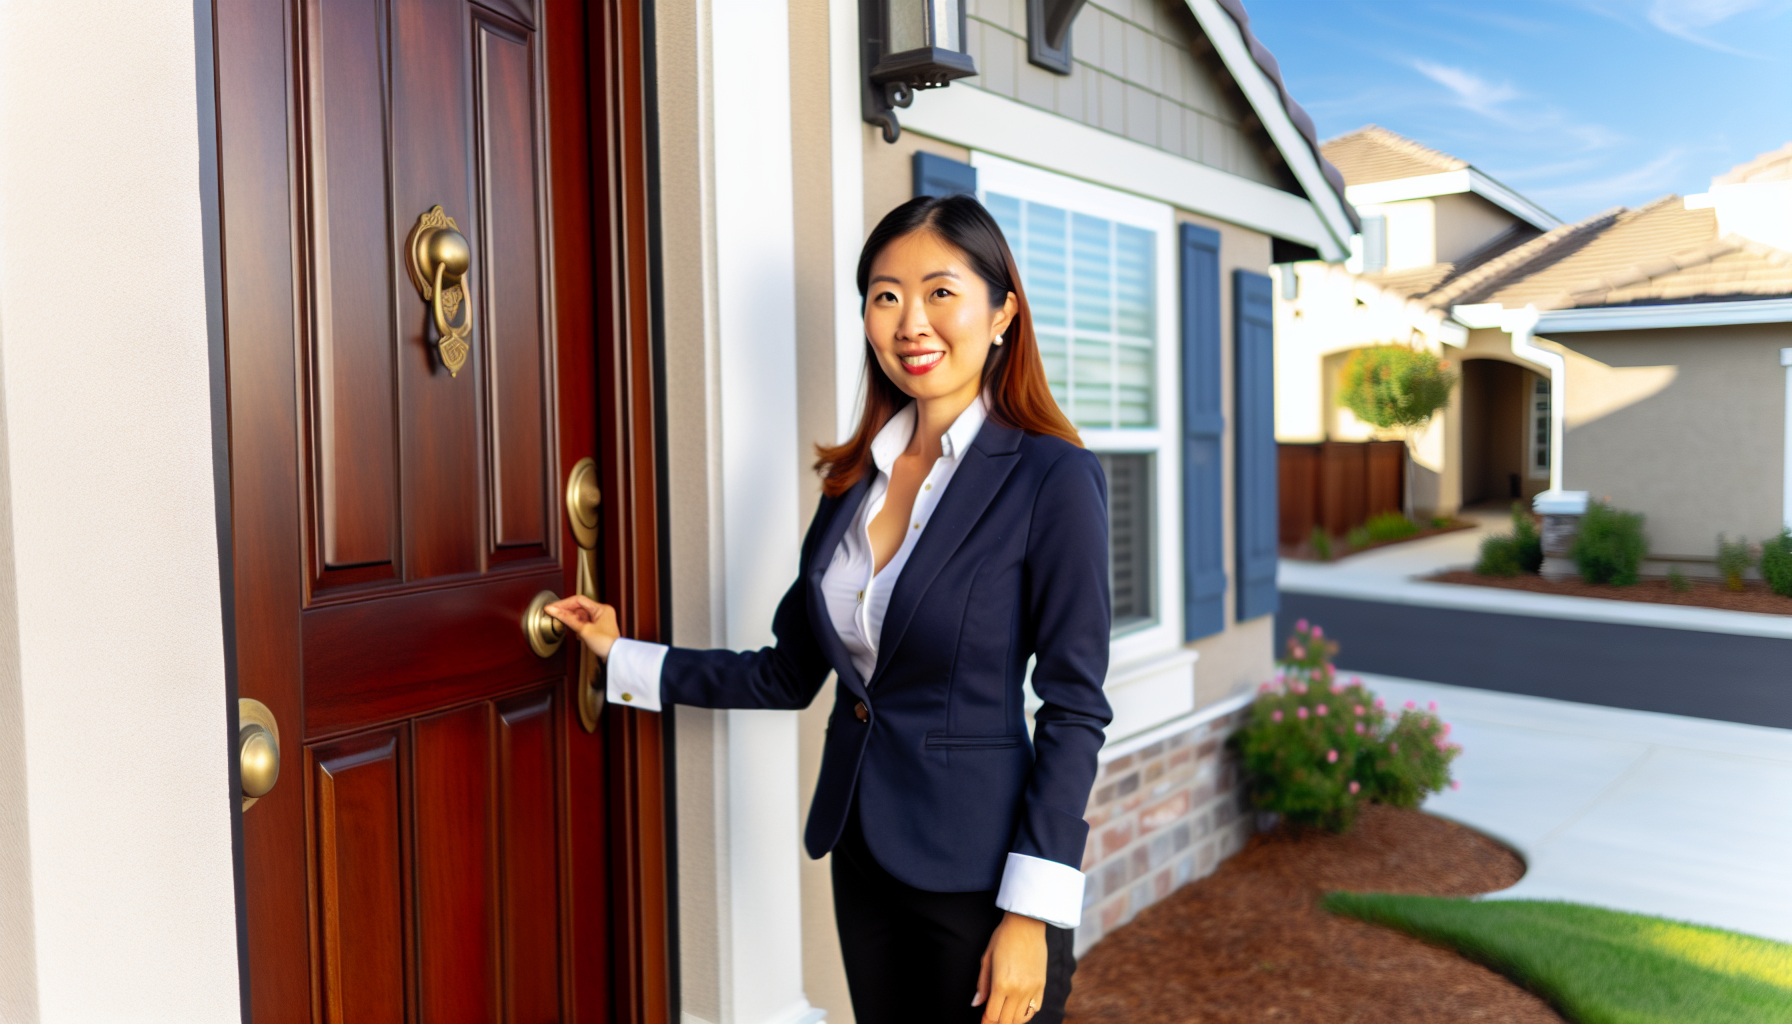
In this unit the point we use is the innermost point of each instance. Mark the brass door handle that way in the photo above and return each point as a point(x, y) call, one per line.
point(545, 632)
point(582, 500)
point(257, 749)
point(439, 257)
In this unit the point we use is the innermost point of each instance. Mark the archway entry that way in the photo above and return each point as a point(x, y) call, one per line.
point(1505, 432)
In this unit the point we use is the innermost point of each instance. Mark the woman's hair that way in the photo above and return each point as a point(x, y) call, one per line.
point(1013, 375)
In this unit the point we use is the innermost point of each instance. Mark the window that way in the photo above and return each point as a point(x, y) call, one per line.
point(1129, 536)
point(1098, 267)
point(1091, 284)
point(1375, 243)
point(1540, 424)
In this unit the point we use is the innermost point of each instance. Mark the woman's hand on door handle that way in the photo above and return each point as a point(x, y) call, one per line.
point(594, 623)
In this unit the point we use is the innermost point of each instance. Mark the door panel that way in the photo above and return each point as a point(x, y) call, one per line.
point(449, 836)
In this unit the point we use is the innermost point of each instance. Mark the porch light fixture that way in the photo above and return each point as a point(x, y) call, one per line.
point(907, 45)
point(1048, 33)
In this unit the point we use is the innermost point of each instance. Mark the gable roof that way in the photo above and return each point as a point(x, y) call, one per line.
point(1660, 253)
point(1259, 76)
point(1774, 166)
point(1372, 153)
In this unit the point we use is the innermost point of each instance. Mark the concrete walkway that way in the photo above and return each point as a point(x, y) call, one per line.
point(1660, 814)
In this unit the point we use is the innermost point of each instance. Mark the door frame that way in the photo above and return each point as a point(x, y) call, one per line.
point(601, 60)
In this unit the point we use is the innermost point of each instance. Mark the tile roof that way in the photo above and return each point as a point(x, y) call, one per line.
point(1372, 153)
point(1413, 282)
point(1774, 166)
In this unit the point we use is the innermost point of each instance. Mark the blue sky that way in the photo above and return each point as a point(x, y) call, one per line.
point(1578, 104)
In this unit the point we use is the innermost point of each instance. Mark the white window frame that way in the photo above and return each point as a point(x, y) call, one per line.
point(1164, 441)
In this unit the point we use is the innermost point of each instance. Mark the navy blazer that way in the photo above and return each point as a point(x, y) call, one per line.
point(1013, 563)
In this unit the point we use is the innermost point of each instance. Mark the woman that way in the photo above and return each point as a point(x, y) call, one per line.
point(963, 529)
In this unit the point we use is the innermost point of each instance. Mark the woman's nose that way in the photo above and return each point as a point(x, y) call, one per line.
point(913, 324)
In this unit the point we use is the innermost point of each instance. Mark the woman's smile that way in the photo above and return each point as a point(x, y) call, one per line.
point(920, 362)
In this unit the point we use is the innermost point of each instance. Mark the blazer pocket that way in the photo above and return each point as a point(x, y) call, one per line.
point(947, 741)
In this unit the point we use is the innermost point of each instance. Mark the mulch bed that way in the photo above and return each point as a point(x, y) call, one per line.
point(1249, 942)
point(1755, 597)
point(1303, 552)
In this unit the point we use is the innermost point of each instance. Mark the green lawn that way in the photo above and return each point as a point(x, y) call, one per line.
point(1600, 966)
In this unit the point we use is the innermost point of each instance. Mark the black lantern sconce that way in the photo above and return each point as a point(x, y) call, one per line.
point(907, 45)
point(1048, 33)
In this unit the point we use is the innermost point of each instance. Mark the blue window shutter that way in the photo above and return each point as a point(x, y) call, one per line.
point(936, 175)
point(1203, 433)
point(1254, 432)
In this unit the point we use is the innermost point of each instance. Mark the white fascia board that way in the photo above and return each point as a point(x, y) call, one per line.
point(982, 120)
point(1684, 314)
point(1266, 102)
point(1445, 183)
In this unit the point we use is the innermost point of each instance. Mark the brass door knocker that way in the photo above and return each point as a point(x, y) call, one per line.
point(439, 257)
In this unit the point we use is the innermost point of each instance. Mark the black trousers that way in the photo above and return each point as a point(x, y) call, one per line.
point(913, 956)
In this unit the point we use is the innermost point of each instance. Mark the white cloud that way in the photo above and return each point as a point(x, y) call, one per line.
point(1682, 18)
point(1469, 89)
point(1634, 186)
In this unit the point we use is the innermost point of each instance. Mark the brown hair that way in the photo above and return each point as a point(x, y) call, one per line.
point(1013, 375)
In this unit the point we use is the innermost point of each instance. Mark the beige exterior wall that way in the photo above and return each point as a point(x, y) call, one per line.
point(1141, 69)
point(1686, 425)
point(1465, 222)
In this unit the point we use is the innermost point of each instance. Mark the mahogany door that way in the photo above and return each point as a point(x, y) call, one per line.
point(448, 840)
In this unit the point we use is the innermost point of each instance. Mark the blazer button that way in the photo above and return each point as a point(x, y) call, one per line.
point(862, 711)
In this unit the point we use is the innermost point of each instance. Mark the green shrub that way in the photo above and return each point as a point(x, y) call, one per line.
point(1321, 543)
point(1358, 538)
point(1390, 526)
point(1527, 542)
point(1610, 546)
point(1677, 581)
point(1776, 563)
point(1499, 557)
point(1734, 560)
point(1439, 522)
point(1316, 748)
point(1390, 386)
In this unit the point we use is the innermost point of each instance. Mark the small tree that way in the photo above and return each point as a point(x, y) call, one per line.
point(1396, 390)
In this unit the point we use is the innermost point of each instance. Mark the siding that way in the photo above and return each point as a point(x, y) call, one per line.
point(1142, 69)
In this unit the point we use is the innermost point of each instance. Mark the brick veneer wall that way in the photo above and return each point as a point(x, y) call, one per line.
point(1161, 817)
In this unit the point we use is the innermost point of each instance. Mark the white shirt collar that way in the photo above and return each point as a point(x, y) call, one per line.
point(896, 434)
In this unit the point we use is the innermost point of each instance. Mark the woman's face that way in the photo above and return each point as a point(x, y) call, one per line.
point(929, 317)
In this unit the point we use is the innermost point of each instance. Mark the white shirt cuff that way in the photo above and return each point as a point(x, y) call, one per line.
point(632, 673)
point(1043, 889)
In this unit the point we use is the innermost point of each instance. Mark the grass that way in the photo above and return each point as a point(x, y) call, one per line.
point(1600, 966)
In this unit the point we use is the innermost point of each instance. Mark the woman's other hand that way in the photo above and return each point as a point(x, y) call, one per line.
point(594, 623)
point(1011, 987)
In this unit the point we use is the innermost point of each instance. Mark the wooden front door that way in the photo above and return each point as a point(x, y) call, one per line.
point(448, 840)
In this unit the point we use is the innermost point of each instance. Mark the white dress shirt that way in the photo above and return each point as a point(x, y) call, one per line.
point(857, 594)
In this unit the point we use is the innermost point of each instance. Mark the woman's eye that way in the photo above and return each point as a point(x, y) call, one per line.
point(942, 293)
point(886, 296)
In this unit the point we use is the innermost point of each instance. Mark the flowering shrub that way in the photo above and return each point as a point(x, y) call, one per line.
point(1317, 747)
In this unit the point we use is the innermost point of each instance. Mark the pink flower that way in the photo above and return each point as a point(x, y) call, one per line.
point(1300, 713)
point(1301, 626)
point(1393, 748)
point(1356, 680)
point(1263, 688)
point(1337, 691)
point(1298, 687)
point(1317, 632)
point(1446, 728)
point(1380, 704)
point(1322, 710)
point(1300, 653)
point(1359, 711)
point(1455, 785)
point(1431, 706)
point(1359, 729)
point(1410, 705)
point(1355, 786)
point(1331, 757)
point(1275, 716)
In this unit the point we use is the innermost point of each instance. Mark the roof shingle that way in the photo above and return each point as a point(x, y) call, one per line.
point(1372, 153)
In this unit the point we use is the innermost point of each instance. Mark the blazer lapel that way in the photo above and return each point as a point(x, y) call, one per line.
point(986, 467)
point(844, 512)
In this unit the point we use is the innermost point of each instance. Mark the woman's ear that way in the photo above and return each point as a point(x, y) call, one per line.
point(1005, 317)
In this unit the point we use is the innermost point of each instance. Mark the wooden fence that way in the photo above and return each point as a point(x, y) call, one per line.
point(1338, 485)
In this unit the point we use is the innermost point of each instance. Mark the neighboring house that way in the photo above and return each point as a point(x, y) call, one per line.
point(343, 479)
point(1633, 355)
point(1429, 220)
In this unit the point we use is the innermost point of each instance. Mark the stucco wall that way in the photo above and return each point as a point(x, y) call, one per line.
point(1465, 222)
point(1686, 425)
point(116, 897)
